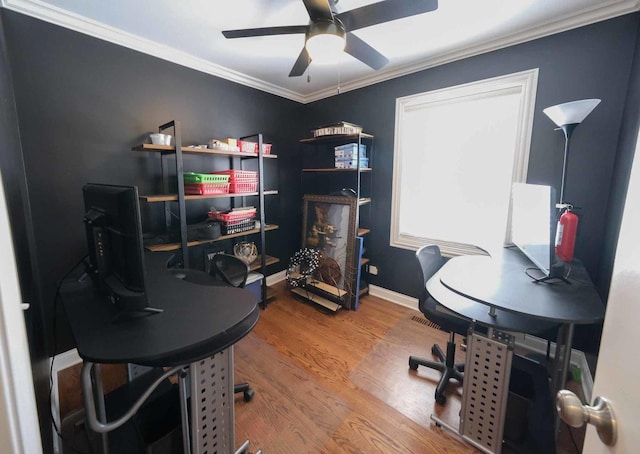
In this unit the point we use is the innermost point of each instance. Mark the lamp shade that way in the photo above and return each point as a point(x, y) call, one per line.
point(571, 112)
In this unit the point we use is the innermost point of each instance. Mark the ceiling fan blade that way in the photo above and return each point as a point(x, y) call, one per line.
point(266, 31)
point(301, 64)
point(319, 9)
point(364, 52)
point(386, 11)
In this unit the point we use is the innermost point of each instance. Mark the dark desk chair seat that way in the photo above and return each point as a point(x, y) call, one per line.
point(430, 260)
point(233, 272)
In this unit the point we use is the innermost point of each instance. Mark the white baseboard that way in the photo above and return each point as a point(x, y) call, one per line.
point(394, 297)
point(277, 277)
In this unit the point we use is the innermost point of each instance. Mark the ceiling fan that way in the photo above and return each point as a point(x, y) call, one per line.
point(327, 24)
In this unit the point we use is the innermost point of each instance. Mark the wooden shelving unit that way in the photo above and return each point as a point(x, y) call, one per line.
point(170, 196)
point(321, 177)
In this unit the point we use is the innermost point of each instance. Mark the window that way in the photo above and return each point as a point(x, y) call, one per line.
point(457, 151)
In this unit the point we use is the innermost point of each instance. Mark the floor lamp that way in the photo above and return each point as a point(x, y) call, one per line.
point(568, 116)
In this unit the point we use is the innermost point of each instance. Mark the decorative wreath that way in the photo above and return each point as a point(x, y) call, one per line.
point(328, 271)
point(301, 266)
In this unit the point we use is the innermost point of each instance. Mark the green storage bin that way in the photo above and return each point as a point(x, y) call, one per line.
point(191, 177)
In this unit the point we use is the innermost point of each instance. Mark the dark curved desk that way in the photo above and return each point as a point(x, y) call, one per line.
point(199, 320)
point(496, 292)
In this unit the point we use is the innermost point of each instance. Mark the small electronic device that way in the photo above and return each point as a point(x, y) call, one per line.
point(533, 228)
point(116, 254)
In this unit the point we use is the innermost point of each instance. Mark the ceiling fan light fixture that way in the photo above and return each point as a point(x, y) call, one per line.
point(325, 42)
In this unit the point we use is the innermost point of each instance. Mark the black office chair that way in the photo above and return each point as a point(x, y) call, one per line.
point(234, 272)
point(429, 261)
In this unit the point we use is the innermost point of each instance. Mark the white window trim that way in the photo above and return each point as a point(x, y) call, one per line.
point(524, 82)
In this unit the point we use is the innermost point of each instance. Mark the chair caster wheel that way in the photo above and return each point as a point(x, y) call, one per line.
point(248, 395)
point(440, 398)
point(413, 365)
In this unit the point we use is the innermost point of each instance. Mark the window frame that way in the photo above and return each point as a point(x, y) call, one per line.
point(523, 83)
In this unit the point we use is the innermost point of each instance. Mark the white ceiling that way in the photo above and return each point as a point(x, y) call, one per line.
point(188, 32)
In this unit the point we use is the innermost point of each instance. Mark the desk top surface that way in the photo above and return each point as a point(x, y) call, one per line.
point(501, 282)
point(198, 320)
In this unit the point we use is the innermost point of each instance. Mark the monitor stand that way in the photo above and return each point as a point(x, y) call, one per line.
point(130, 304)
point(556, 273)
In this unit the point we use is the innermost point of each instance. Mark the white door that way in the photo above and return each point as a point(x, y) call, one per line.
point(618, 372)
point(19, 430)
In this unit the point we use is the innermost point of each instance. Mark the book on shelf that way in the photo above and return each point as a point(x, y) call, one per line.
point(249, 208)
point(342, 127)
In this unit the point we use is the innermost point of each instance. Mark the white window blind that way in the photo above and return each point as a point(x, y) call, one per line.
point(457, 152)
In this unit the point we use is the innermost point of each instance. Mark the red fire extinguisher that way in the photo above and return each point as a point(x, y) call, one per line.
point(566, 235)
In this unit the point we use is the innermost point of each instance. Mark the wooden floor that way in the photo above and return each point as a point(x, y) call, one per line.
point(340, 383)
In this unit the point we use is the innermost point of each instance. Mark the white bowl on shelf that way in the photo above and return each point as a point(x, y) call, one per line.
point(158, 139)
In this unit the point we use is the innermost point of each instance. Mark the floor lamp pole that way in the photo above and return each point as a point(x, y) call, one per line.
point(568, 130)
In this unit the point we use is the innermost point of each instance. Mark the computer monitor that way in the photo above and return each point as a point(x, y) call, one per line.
point(116, 252)
point(533, 227)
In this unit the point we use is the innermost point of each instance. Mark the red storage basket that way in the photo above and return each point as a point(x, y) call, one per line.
point(206, 188)
point(239, 186)
point(232, 216)
point(252, 147)
point(238, 174)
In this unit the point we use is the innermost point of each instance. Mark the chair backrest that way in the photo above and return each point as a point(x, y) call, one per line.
point(230, 269)
point(430, 260)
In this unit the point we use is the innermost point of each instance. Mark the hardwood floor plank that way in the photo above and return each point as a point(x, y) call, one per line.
point(300, 362)
point(340, 382)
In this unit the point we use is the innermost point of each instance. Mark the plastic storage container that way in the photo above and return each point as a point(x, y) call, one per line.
point(349, 150)
point(206, 188)
point(252, 147)
point(254, 284)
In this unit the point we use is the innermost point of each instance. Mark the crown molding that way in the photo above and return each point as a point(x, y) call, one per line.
point(63, 18)
point(582, 18)
point(58, 16)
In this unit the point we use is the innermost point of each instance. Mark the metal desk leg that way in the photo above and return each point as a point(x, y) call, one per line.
point(211, 383)
point(184, 411)
point(561, 364)
point(98, 395)
point(92, 391)
point(562, 358)
point(487, 372)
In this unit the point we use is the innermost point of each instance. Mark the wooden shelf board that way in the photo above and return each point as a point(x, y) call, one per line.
point(363, 231)
point(364, 261)
point(172, 149)
point(269, 261)
point(336, 138)
point(176, 246)
point(174, 197)
point(327, 288)
point(364, 201)
point(364, 291)
point(312, 297)
point(332, 169)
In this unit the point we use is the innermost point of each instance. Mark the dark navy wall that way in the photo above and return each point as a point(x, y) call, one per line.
point(590, 62)
point(82, 103)
point(16, 194)
point(622, 168)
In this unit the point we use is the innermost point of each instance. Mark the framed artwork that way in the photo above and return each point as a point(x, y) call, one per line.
point(329, 225)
